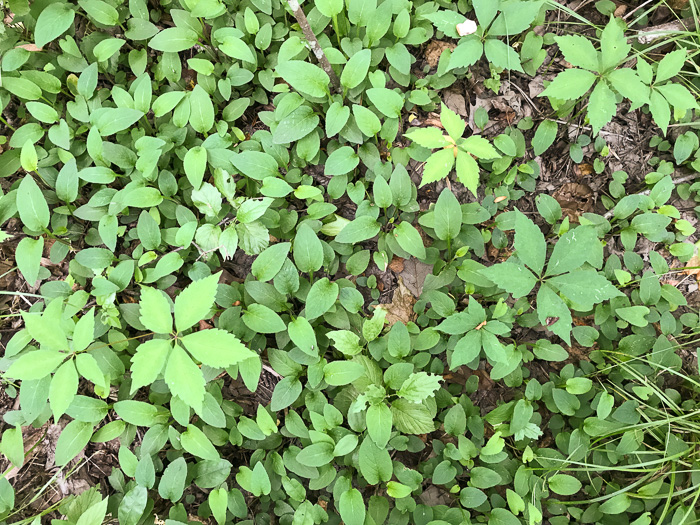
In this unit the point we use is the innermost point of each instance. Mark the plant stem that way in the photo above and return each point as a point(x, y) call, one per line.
point(313, 42)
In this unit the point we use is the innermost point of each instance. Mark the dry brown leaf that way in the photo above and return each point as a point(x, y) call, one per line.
point(30, 47)
point(692, 267)
point(400, 309)
point(575, 199)
point(435, 49)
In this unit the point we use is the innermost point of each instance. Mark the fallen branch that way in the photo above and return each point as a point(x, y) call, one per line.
point(313, 43)
point(652, 33)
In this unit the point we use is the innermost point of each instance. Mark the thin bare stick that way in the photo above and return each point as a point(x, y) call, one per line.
point(313, 42)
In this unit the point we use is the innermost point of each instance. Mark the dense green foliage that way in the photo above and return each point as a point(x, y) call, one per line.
point(156, 144)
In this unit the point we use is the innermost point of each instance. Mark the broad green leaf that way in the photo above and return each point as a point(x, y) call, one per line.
point(336, 118)
point(262, 319)
point(137, 413)
point(514, 279)
point(307, 250)
point(286, 392)
point(113, 120)
point(428, 137)
point(303, 336)
point(411, 418)
point(579, 51)
point(438, 166)
point(102, 12)
point(419, 386)
point(544, 136)
point(452, 122)
point(64, 386)
point(345, 341)
point(613, 44)
point(570, 84)
point(564, 484)
point(448, 216)
point(573, 249)
point(366, 120)
point(480, 147)
point(304, 77)
point(269, 263)
point(295, 126)
point(379, 424)
point(42, 112)
point(529, 243)
point(358, 230)
point(132, 505)
point(195, 442)
point(553, 312)
point(216, 348)
point(388, 101)
point(36, 364)
point(201, 110)
point(148, 362)
point(321, 298)
point(31, 204)
point(409, 239)
point(172, 483)
point(194, 302)
point(466, 53)
point(174, 39)
point(255, 481)
point(341, 161)
point(184, 378)
point(255, 164)
point(155, 311)
point(502, 55)
point(467, 171)
point(195, 164)
point(74, 437)
point(585, 288)
point(634, 315)
point(601, 106)
point(375, 463)
point(28, 257)
point(237, 48)
point(339, 373)
point(107, 48)
point(52, 22)
point(355, 70)
point(317, 454)
point(671, 64)
point(352, 507)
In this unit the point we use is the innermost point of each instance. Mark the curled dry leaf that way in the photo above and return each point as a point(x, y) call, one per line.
point(692, 267)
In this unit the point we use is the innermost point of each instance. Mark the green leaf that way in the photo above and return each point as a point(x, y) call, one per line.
point(184, 378)
point(549, 208)
point(341, 161)
point(388, 101)
point(336, 118)
point(544, 136)
point(578, 51)
point(216, 348)
point(201, 110)
point(255, 481)
point(529, 243)
point(671, 64)
point(52, 22)
point(397, 490)
point(355, 70)
point(448, 216)
point(255, 164)
point(362, 228)
point(261, 319)
point(95, 514)
point(412, 418)
point(601, 106)
point(410, 240)
point(367, 122)
point(132, 505)
point(502, 55)
point(304, 77)
point(613, 45)
point(237, 48)
point(286, 392)
point(317, 454)
point(74, 437)
point(345, 341)
point(28, 257)
point(194, 302)
point(629, 85)
point(22, 87)
point(36, 364)
point(616, 505)
point(466, 53)
point(303, 336)
point(480, 147)
point(352, 507)
point(195, 164)
point(552, 307)
point(514, 279)
point(194, 441)
point(634, 315)
point(375, 463)
point(269, 262)
point(174, 39)
point(42, 112)
point(339, 373)
point(31, 204)
point(467, 171)
point(252, 209)
point(148, 362)
point(100, 11)
point(64, 386)
point(155, 311)
point(419, 386)
point(379, 423)
point(452, 123)
point(570, 84)
point(585, 288)
point(295, 126)
point(172, 483)
point(136, 413)
point(428, 137)
point(438, 166)
point(107, 48)
point(307, 250)
point(573, 249)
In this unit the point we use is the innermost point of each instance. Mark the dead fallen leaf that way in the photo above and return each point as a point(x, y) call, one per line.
point(400, 309)
point(575, 199)
point(435, 49)
point(456, 103)
point(396, 264)
point(583, 170)
point(30, 47)
point(413, 275)
point(692, 267)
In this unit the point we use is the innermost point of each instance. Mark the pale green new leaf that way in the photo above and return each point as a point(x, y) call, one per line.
point(216, 348)
point(154, 310)
point(195, 302)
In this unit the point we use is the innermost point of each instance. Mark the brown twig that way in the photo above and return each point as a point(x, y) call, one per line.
point(313, 42)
